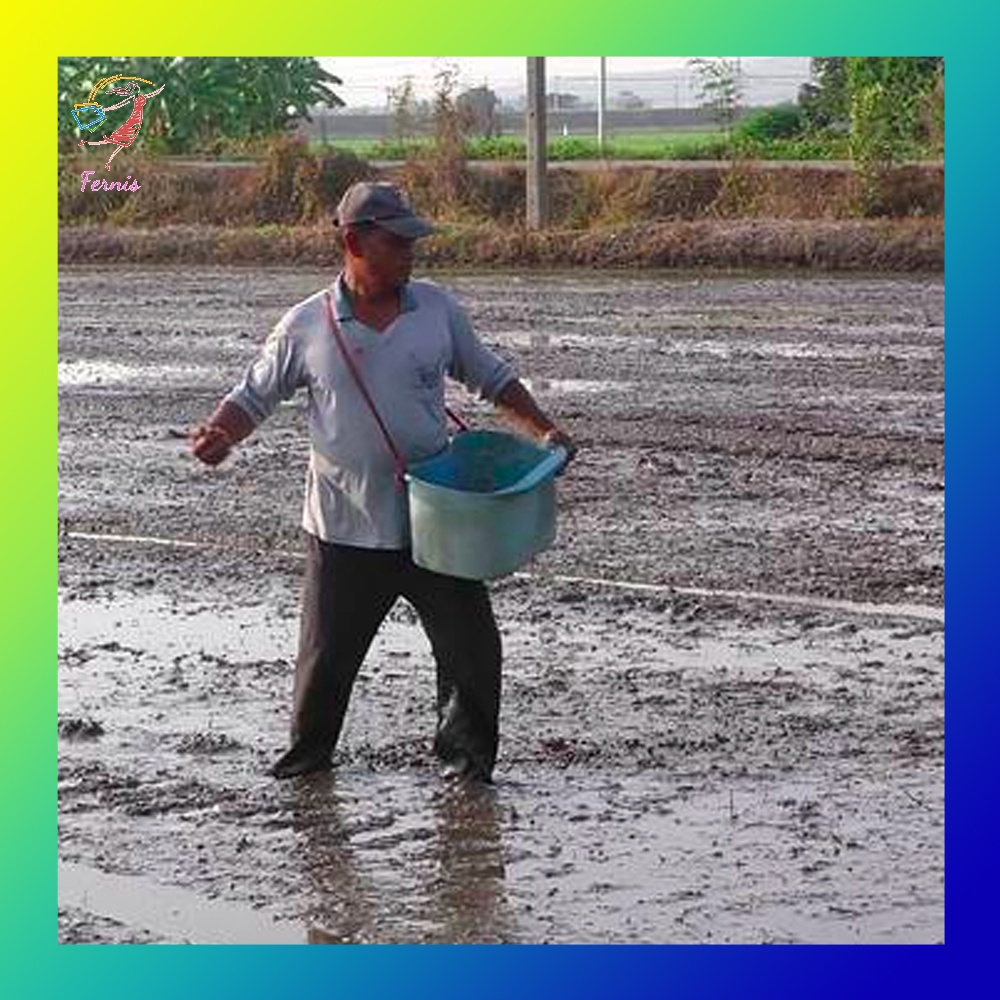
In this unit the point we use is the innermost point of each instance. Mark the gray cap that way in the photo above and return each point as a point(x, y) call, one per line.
point(382, 204)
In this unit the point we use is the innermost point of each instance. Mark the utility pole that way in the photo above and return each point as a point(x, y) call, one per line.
point(537, 177)
point(602, 103)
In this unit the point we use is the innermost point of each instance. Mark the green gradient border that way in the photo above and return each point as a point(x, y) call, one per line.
point(34, 964)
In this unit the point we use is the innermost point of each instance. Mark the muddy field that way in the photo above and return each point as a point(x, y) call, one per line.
point(723, 702)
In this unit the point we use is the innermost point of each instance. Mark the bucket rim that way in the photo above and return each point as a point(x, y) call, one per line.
point(550, 461)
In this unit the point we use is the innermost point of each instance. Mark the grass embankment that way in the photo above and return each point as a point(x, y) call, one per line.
point(836, 245)
point(745, 215)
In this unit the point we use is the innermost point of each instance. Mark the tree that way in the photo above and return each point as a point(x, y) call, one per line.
point(889, 102)
point(205, 99)
point(449, 135)
point(826, 101)
point(901, 86)
point(405, 111)
point(720, 89)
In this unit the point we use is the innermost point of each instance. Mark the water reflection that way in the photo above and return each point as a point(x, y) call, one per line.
point(412, 868)
point(468, 891)
point(342, 906)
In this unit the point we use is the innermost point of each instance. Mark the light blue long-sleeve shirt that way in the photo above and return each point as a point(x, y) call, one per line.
point(352, 495)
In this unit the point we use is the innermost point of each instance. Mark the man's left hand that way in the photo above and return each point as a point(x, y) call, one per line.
point(557, 438)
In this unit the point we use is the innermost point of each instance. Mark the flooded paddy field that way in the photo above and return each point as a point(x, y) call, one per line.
point(723, 688)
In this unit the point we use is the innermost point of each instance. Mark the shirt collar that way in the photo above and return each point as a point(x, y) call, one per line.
point(342, 301)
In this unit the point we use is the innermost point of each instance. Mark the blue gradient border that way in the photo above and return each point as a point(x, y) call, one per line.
point(502, 972)
point(971, 566)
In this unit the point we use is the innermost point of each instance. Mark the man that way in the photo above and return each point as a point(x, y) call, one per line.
point(398, 338)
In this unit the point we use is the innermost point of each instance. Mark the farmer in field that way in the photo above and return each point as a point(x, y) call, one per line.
point(375, 331)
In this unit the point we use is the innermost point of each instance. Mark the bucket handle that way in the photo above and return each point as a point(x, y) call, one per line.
point(548, 466)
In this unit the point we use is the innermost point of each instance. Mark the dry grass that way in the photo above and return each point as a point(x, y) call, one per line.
point(858, 245)
point(292, 186)
point(671, 214)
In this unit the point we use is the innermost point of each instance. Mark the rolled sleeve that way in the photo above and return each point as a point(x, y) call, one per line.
point(472, 362)
point(272, 376)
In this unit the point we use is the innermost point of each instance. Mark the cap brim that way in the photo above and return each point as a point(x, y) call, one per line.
point(410, 227)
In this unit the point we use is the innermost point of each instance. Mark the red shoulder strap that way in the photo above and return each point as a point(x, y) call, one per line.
point(397, 457)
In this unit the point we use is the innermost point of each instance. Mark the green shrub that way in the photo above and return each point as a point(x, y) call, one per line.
point(572, 147)
point(394, 149)
point(497, 147)
point(714, 148)
point(785, 121)
point(806, 147)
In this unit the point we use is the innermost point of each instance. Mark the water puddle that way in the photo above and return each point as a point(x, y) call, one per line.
point(538, 339)
point(171, 913)
point(115, 374)
point(735, 347)
point(239, 632)
point(738, 342)
point(575, 385)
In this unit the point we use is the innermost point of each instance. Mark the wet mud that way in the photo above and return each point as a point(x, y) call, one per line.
point(723, 693)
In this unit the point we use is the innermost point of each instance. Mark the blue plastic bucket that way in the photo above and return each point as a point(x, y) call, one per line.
point(484, 506)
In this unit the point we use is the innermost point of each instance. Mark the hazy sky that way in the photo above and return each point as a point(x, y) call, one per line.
point(366, 78)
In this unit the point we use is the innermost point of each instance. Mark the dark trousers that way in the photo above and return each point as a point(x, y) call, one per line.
point(347, 594)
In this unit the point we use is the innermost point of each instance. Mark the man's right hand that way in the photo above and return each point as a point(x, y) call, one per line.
point(213, 440)
point(210, 443)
